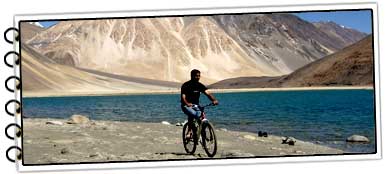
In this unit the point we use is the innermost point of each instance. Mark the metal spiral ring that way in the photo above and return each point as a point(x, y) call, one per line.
point(18, 132)
point(16, 38)
point(18, 108)
point(18, 156)
point(18, 84)
point(17, 61)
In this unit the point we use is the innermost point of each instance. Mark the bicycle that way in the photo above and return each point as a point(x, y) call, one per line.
point(203, 132)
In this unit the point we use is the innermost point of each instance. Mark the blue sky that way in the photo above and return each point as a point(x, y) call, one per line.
point(48, 23)
point(359, 20)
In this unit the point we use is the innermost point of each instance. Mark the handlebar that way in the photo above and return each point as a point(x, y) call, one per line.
point(210, 104)
point(204, 106)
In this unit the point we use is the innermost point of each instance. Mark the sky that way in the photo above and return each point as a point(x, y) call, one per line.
point(359, 20)
point(48, 23)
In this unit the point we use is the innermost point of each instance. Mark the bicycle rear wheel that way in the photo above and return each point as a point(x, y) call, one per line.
point(209, 140)
point(189, 144)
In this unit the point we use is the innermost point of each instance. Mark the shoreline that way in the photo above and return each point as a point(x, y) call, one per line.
point(98, 141)
point(177, 91)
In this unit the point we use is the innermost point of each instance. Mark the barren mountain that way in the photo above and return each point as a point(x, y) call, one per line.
point(282, 41)
point(28, 31)
point(345, 35)
point(42, 75)
point(162, 49)
point(351, 66)
point(168, 48)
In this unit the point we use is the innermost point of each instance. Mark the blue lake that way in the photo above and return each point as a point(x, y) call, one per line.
point(325, 116)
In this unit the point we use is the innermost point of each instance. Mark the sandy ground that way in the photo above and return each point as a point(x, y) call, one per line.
point(29, 94)
point(103, 141)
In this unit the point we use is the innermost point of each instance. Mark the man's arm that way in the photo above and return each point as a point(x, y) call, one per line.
point(211, 97)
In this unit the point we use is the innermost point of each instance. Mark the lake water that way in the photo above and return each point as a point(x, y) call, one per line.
point(327, 116)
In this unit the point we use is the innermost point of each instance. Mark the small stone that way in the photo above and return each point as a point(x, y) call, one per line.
point(235, 154)
point(223, 129)
point(78, 119)
point(249, 137)
point(165, 123)
point(288, 140)
point(54, 123)
point(64, 151)
point(92, 155)
point(291, 142)
point(357, 138)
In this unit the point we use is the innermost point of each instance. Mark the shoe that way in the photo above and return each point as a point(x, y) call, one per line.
point(265, 134)
point(260, 134)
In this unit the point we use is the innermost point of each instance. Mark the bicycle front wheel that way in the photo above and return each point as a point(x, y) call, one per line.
point(189, 143)
point(209, 140)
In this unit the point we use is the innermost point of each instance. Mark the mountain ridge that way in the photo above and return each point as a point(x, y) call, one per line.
point(352, 66)
point(168, 48)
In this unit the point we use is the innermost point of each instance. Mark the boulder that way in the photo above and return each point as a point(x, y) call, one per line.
point(357, 138)
point(78, 119)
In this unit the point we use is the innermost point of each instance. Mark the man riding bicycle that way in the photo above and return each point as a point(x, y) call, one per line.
point(190, 93)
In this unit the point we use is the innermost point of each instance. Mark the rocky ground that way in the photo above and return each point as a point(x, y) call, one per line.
point(56, 141)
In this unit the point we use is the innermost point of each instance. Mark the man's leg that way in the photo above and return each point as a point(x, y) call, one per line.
point(192, 114)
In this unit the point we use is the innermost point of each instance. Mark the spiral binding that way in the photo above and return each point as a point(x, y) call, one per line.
point(17, 61)
point(18, 84)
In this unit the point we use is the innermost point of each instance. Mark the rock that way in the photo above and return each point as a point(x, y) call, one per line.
point(236, 154)
point(54, 123)
point(291, 142)
point(288, 140)
point(284, 140)
point(78, 119)
point(249, 137)
point(165, 123)
point(179, 124)
point(357, 138)
point(276, 148)
point(223, 129)
point(65, 151)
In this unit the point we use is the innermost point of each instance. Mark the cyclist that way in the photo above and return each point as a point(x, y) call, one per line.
point(190, 93)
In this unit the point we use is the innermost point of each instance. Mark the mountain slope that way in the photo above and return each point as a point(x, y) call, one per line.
point(42, 75)
point(162, 49)
point(221, 46)
point(345, 35)
point(282, 41)
point(28, 31)
point(351, 66)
